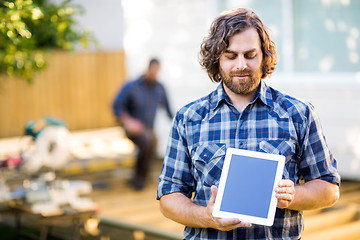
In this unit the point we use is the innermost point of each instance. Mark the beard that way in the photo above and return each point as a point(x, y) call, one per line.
point(241, 86)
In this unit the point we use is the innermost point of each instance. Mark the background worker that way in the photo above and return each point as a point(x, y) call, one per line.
point(135, 108)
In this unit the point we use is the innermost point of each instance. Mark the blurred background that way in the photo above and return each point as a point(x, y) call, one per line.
point(318, 43)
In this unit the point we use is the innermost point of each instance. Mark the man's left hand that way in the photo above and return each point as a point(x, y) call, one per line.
point(285, 193)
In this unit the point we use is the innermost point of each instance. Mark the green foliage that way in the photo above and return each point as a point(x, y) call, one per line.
point(30, 28)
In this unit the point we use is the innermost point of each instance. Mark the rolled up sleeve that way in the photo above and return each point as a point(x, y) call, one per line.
point(176, 174)
point(316, 160)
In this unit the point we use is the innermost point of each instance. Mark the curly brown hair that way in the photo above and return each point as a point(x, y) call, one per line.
point(222, 29)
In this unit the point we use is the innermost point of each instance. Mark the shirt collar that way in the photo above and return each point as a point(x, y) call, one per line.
point(218, 97)
point(263, 94)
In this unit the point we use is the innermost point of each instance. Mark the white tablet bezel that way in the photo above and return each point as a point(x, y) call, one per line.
point(268, 221)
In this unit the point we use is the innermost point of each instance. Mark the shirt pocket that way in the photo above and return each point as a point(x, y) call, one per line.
point(208, 162)
point(286, 149)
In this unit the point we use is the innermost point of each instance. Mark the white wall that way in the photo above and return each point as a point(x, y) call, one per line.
point(105, 19)
point(336, 100)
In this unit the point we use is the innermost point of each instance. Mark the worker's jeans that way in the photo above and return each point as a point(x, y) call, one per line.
point(146, 144)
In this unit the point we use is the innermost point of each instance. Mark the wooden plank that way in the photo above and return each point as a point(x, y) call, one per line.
point(330, 219)
point(169, 225)
point(347, 231)
point(118, 201)
point(349, 186)
point(309, 213)
point(350, 197)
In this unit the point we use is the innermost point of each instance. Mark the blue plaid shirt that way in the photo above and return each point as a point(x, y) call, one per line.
point(140, 100)
point(272, 123)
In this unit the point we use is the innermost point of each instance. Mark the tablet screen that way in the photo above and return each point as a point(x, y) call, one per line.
point(247, 183)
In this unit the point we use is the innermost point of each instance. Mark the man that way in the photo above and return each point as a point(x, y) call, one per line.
point(135, 108)
point(243, 112)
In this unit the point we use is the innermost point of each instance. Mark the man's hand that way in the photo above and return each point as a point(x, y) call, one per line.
point(222, 224)
point(182, 209)
point(132, 125)
point(285, 193)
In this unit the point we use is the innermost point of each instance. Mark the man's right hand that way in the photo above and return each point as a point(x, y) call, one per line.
point(222, 224)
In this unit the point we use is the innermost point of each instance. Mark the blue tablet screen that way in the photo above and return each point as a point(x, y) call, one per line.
point(249, 186)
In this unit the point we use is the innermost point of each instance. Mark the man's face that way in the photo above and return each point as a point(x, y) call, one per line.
point(152, 72)
point(240, 64)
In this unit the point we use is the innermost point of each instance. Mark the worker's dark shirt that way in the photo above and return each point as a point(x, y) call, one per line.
point(140, 100)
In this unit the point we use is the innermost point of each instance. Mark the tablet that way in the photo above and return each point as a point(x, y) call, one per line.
point(247, 184)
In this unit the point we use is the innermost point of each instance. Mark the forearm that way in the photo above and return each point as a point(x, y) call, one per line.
point(314, 194)
point(169, 112)
point(181, 209)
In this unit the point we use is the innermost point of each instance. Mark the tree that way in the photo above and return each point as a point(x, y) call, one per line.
point(31, 28)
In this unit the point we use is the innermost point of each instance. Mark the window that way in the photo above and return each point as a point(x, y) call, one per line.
point(311, 35)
